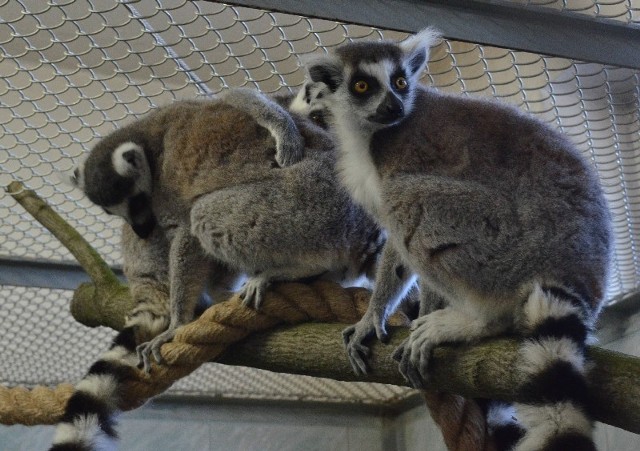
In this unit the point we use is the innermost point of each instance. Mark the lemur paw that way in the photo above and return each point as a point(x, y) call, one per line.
point(270, 115)
point(356, 351)
point(414, 354)
point(289, 147)
point(253, 292)
point(152, 348)
point(409, 371)
point(354, 337)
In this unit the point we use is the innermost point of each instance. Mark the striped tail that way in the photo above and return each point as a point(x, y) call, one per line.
point(88, 423)
point(555, 414)
point(502, 425)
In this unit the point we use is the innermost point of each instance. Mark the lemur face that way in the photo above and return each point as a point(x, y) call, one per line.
point(378, 91)
point(372, 83)
point(117, 177)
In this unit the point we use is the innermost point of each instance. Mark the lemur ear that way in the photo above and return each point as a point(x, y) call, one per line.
point(128, 159)
point(417, 49)
point(72, 177)
point(326, 69)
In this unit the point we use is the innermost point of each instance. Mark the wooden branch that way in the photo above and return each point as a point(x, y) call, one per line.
point(102, 302)
point(484, 370)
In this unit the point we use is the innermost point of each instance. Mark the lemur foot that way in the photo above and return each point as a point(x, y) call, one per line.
point(253, 292)
point(152, 348)
point(354, 337)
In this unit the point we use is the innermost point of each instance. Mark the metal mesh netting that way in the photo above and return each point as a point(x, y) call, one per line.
point(622, 10)
point(73, 71)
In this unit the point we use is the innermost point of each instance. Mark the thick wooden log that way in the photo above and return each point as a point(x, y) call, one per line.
point(485, 370)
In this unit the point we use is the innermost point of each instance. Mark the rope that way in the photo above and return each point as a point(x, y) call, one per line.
point(206, 338)
point(463, 425)
point(40, 405)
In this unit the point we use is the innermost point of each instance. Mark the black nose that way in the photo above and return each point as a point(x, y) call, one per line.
point(390, 110)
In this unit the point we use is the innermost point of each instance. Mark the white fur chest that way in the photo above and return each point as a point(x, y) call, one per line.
point(357, 171)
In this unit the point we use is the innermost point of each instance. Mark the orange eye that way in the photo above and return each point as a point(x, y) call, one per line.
point(361, 86)
point(401, 83)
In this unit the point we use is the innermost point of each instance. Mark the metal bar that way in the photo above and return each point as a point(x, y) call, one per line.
point(43, 274)
point(490, 22)
point(619, 320)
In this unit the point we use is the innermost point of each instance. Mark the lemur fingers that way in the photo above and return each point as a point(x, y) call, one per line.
point(354, 337)
point(441, 326)
point(356, 351)
point(253, 292)
point(410, 372)
point(152, 348)
point(413, 356)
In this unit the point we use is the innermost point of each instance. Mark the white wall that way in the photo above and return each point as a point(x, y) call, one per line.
point(168, 426)
point(620, 332)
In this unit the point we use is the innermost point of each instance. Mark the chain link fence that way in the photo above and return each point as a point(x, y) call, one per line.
point(73, 71)
point(623, 10)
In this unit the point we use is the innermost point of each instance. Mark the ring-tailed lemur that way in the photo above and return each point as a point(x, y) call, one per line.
point(203, 175)
point(491, 208)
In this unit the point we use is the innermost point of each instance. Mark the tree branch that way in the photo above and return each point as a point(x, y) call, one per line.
point(484, 370)
point(101, 303)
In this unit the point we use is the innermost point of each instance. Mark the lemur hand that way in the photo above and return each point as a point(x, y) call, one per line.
point(270, 115)
point(146, 350)
point(354, 337)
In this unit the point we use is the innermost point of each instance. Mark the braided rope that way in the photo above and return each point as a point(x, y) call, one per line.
point(223, 324)
point(463, 425)
point(40, 405)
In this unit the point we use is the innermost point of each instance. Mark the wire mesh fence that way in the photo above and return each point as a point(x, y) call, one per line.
point(72, 71)
point(622, 10)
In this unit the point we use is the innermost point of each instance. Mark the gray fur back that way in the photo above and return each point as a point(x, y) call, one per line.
point(543, 213)
point(296, 216)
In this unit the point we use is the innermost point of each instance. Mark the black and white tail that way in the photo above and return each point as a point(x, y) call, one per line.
point(88, 423)
point(502, 425)
point(555, 415)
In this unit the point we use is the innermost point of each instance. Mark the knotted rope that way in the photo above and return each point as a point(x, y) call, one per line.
point(201, 341)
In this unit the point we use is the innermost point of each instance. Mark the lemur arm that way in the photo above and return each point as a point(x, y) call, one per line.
point(270, 115)
point(393, 281)
point(188, 270)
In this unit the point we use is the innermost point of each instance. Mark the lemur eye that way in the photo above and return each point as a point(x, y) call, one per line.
point(401, 83)
point(361, 86)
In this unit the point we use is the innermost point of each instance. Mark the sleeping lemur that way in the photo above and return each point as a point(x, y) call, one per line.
point(207, 196)
point(492, 209)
